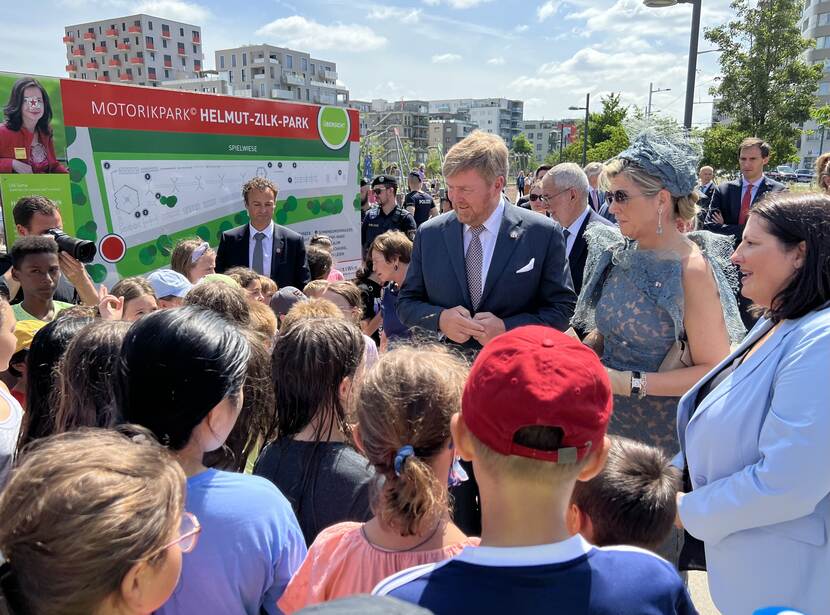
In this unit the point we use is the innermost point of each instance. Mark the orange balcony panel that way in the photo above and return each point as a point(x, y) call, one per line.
point(182, 52)
point(68, 39)
point(89, 36)
point(126, 77)
point(123, 46)
point(136, 60)
point(134, 29)
point(93, 65)
point(115, 62)
point(197, 39)
point(166, 34)
point(78, 53)
point(168, 64)
point(111, 32)
point(100, 51)
point(104, 78)
point(71, 68)
point(151, 46)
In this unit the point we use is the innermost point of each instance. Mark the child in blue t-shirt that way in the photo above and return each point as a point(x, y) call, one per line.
point(181, 375)
point(533, 420)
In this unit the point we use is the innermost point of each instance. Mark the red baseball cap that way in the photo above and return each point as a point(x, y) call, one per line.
point(536, 375)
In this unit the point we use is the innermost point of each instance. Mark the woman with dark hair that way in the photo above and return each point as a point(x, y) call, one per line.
point(315, 363)
point(390, 254)
point(26, 137)
point(84, 391)
point(48, 347)
point(181, 375)
point(754, 430)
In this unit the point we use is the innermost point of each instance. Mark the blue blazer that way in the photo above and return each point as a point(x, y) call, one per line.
point(528, 242)
point(758, 453)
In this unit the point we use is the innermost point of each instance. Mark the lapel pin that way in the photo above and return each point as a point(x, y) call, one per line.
point(514, 234)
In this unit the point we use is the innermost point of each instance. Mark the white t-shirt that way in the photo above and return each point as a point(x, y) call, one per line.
point(9, 431)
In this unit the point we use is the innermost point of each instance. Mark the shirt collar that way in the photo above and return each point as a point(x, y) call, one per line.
point(269, 231)
point(755, 184)
point(573, 229)
point(538, 555)
point(493, 223)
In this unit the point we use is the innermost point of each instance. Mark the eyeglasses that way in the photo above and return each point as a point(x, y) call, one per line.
point(536, 197)
point(189, 530)
point(620, 196)
point(33, 102)
point(547, 199)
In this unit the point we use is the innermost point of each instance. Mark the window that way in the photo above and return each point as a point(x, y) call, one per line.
point(181, 31)
point(166, 74)
point(262, 90)
point(244, 57)
point(312, 68)
point(822, 42)
point(289, 61)
point(164, 43)
point(303, 65)
point(149, 25)
point(824, 88)
point(149, 41)
point(243, 74)
point(272, 72)
point(823, 19)
point(233, 60)
point(184, 62)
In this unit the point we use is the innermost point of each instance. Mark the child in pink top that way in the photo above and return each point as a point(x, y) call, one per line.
point(325, 242)
point(403, 409)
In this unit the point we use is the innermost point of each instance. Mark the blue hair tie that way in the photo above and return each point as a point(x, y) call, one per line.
point(404, 453)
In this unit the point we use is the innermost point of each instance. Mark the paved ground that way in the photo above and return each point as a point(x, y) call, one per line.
point(699, 590)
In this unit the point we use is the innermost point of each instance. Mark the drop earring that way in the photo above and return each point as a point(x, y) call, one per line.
point(660, 220)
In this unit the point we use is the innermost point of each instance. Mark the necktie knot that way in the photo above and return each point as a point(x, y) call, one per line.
point(567, 233)
point(259, 236)
point(477, 230)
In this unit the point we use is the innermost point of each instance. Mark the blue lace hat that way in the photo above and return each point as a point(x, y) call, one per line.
point(672, 158)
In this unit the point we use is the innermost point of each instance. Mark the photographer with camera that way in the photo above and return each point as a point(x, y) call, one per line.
point(37, 215)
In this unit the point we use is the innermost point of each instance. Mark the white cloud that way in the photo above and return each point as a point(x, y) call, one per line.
point(407, 16)
point(302, 33)
point(446, 58)
point(548, 9)
point(521, 28)
point(177, 10)
point(497, 61)
point(456, 4)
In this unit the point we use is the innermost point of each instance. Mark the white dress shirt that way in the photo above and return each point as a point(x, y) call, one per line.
point(267, 247)
point(755, 185)
point(573, 231)
point(488, 240)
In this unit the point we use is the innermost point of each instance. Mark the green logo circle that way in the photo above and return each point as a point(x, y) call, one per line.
point(334, 126)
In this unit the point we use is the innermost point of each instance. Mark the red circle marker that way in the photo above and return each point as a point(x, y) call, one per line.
point(112, 248)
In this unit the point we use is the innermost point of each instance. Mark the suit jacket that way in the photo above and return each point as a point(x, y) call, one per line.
point(437, 278)
point(757, 452)
point(288, 260)
point(579, 251)
point(727, 199)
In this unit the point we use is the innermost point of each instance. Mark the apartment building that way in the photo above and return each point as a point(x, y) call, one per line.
point(265, 71)
point(138, 49)
point(815, 24)
point(385, 122)
point(543, 136)
point(499, 116)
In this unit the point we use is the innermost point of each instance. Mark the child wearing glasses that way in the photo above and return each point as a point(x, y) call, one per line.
point(26, 138)
point(93, 522)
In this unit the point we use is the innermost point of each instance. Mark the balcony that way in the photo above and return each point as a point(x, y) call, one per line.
point(259, 76)
point(321, 84)
point(114, 62)
point(293, 79)
point(78, 53)
point(100, 51)
point(103, 78)
point(92, 65)
point(71, 68)
point(330, 74)
point(68, 39)
point(168, 64)
point(111, 33)
point(134, 29)
point(243, 93)
point(126, 77)
point(89, 36)
point(181, 51)
point(283, 94)
point(197, 40)
point(151, 74)
point(197, 66)
point(166, 34)
point(136, 60)
point(150, 46)
point(123, 46)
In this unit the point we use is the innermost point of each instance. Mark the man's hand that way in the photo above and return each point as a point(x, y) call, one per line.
point(493, 326)
point(110, 306)
point(457, 324)
point(21, 167)
point(76, 273)
point(717, 217)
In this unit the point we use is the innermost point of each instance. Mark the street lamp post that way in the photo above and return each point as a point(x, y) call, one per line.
point(695, 35)
point(652, 91)
point(585, 136)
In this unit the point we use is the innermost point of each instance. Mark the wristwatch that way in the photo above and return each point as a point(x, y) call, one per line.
point(638, 385)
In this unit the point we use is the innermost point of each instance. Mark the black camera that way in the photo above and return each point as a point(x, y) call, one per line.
point(79, 249)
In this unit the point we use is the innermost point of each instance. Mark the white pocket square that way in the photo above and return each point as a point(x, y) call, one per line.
point(528, 267)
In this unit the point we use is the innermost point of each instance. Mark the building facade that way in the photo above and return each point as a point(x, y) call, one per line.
point(815, 24)
point(138, 49)
point(265, 71)
point(445, 133)
point(211, 82)
point(499, 116)
point(385, 123)
point(543, 136)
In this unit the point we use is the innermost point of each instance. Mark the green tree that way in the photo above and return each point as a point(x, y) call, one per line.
point(601, 125)
point(720, 146)
point(521, 145)
point(765, 87)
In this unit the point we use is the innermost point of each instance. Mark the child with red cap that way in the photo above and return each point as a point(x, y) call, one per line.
point(533, 420)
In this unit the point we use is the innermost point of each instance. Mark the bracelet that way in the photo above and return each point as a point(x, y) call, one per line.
point(638, 384)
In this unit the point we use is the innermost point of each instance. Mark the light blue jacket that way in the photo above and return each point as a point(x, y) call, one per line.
point(758, 452)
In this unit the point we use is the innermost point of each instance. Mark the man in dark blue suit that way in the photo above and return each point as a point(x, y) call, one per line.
point(487, 266)
point(266, 247)
point(731, 201)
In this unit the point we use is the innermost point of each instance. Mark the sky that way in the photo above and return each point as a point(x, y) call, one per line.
point(548, 53)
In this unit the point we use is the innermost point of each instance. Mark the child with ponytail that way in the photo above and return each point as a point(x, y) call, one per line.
point(403, 409)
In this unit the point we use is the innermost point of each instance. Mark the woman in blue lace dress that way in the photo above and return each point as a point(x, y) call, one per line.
point(650, 286)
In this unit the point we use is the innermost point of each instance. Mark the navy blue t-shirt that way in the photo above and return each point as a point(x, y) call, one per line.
point(570, 577)
point(422, 203)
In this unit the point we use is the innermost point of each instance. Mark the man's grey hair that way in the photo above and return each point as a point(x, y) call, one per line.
point(593, 168)
point(569, 175)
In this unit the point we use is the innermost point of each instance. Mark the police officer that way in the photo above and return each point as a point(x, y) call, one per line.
point(387, 215)
point(417, 202)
